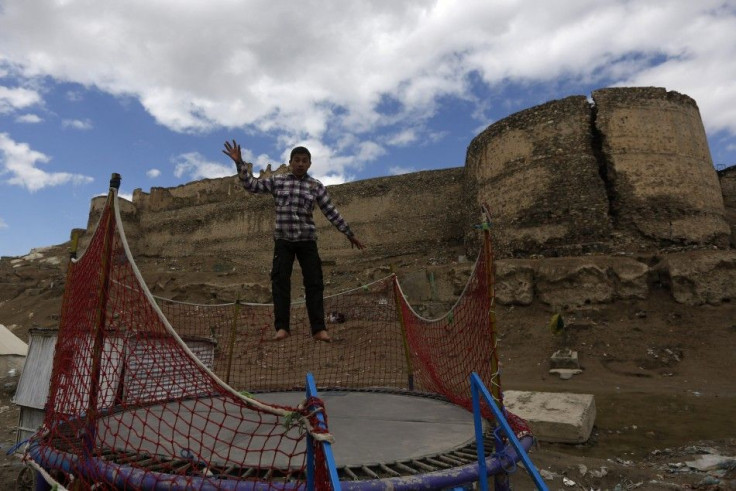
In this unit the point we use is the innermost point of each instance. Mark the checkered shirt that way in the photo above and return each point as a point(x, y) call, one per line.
point(295, 199)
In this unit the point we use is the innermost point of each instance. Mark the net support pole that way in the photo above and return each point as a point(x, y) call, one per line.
point(74, 244)
point(101, 315)
point(495, 365)
point(233, 332)
point(398, 299)
point(501, 479)
point(311, 391)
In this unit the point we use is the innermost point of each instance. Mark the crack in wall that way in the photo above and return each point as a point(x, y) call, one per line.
point(605, 169)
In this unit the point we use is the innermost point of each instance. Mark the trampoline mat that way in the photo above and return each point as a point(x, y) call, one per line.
point(369, 428)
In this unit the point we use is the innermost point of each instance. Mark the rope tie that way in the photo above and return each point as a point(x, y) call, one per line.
point(507, 463)
point(316, 428)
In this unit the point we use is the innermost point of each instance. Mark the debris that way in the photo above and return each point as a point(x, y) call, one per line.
point(709, 481)
point(547, 475)
point(335, 317)
point(710, 462)
point(603, 472)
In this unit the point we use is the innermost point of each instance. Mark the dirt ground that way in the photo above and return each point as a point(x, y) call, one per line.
point(663, 379)
point(662, 375)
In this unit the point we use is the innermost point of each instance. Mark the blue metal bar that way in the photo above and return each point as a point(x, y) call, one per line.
point(477, 385)
point(482, 472)
point(326, 446)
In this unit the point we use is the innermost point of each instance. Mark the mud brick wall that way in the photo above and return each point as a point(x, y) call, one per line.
point(538, 174)
point(664, 189)
point(629, 172)
point(410, 213)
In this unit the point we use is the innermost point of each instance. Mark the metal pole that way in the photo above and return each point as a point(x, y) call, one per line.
point(326, 446)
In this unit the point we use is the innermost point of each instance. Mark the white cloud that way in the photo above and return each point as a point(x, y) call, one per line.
point(397, 170)
point(333, 179)
point(370, 151)
point(309, 72)
point(195, 166)
point(18, 98)
point(74, 96)
point(19, 161)
point(153, 173)
point(29, 118)
point(403, 138)
point(3, 224)
point(77, 124)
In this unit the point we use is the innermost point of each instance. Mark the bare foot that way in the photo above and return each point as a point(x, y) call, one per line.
point(322, 336)
point(281, 334)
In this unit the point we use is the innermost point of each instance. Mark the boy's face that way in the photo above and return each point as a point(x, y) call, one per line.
point(300, 164)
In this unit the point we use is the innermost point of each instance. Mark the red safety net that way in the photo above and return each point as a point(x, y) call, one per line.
point(149, 393)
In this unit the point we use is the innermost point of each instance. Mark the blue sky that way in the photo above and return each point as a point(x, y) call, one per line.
point(151, 88)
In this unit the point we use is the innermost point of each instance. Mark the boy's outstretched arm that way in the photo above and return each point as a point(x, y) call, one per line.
point(354, 242)
point(247, 180)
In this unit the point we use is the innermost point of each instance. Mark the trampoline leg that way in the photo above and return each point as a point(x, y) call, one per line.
point(41, 484)
point(501, 482)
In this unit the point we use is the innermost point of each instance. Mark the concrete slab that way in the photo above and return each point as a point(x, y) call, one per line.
point(564, 359)
point(554, 416)
point(566, 373)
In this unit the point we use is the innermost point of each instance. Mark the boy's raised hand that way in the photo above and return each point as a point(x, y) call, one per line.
point(233, 151)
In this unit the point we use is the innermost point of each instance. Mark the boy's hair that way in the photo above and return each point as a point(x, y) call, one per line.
point(300, 151)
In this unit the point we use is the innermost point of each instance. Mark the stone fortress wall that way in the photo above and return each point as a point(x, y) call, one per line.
point(628, 175)
point(406, 214)
point(631, 172)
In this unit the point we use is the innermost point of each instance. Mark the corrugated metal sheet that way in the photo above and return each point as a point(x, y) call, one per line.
point(29, 421)
point(111, 367)
point(33, 386)
point(163, 382)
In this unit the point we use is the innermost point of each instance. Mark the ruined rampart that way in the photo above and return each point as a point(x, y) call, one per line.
point(630, 172)
point(407, 214)
point(663, 187)
point(537, 173)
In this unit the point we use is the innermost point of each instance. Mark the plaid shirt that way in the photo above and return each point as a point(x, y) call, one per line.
point(294, 199)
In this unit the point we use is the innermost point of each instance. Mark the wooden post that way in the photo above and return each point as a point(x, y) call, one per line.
point(495, 366)
point(233, 332)
point(500, 479)
point(400, 312)
point(99, 328)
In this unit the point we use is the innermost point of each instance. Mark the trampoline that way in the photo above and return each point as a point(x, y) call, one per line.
point(386, 440)
point(133, 405)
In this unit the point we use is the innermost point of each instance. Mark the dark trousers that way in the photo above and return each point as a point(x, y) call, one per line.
point(306, 253)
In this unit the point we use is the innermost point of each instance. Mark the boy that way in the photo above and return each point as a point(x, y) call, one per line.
point(295, 235)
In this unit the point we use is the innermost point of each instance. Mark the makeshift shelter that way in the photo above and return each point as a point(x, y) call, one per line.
point(33, 386)
point(13, 352)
